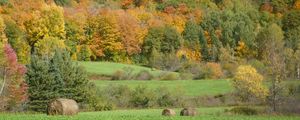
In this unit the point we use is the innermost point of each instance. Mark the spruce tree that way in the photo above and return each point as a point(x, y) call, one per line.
point(56, 77)
point(43, 83)
point(203, 44)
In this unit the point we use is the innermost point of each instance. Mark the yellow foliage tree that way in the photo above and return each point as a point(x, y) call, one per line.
point(48, 45)
point(248, 83)
point(49, 22)
point(3, 38)
point(129, 30)
point(297, 4)
point(174, 20)
point(192, 55)
point(107, 42)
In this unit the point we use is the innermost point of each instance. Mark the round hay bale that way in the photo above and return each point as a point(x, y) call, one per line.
point(168, 112)
point(188, 112)
point(63, 107)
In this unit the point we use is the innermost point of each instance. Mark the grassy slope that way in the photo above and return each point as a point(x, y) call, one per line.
point(149, 114)
point(108, 68)
point(190, 87)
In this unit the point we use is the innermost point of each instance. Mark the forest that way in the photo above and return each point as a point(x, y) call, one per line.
point(51, 49)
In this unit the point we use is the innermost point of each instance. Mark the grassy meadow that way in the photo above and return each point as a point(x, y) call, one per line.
point(189, 87)
point(215, 113)
point(109, 68)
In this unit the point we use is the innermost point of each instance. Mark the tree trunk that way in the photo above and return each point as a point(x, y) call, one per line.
point(4, 80)
point(298, 72)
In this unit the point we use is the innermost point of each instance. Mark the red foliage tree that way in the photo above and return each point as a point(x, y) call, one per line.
point(14, 88)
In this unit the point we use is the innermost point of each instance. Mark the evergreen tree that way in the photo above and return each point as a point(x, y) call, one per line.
point(43, 83)
point(203, 44)
point(191, 33)
point(57, 77)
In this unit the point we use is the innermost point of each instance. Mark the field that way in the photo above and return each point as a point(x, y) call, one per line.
point(189, 87)
point(149, 114)
point(109, 68)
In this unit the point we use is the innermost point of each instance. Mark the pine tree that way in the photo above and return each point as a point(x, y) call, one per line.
point(203, 44)
point(74, 78)
point(57, 77)
point(44, 84)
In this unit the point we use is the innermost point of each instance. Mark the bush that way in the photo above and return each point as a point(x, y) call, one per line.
point(186, 76)
point(167, 98)
point(244, 111)
point(169, 76)
point(291, 105)
point(144, 75)
point(142, 97)
point(96, 101)
point(120, 95)
point(190, 70)
point(258, 65)
point(125, 74)
point(248, 84)
point(212, 71)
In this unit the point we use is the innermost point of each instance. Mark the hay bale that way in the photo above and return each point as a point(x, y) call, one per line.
point(188, 112)
point(63, 107)
point(168, 112)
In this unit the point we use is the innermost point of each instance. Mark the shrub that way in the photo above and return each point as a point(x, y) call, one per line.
point(212, 71)
point(125, 74)
point(120, 95)
point(167, 98)
point(186, 76)
point(190, 70)
point(244, 111)
point(97, 100)
point(248, 83)
point(143, 97)
point(144, 75)
point(291, 105)
point(258, 65)
point(169, 76)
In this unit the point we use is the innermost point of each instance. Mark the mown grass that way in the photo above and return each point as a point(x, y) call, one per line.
point(216, 113)
point(189, 87)
point(109, 68)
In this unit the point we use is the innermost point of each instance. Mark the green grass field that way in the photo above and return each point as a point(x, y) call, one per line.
point(190, 87)
point(147, 114)
point(109, 68)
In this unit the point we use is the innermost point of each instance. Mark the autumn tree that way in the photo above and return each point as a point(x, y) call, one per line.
point(16, 38)
point(13, 89)
point(272, 53)
point(249, 84)
point(107, 43)
point(49, 22)
point(2, 33)
point(129, 30)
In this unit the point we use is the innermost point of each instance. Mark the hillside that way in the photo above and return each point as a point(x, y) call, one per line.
point(109, 68)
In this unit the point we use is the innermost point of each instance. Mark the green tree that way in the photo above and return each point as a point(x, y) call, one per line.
point(191, 31)
point(203, 45)
point(161, 41)
point(54, 77)
point(43, 83)
point(74, 78)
